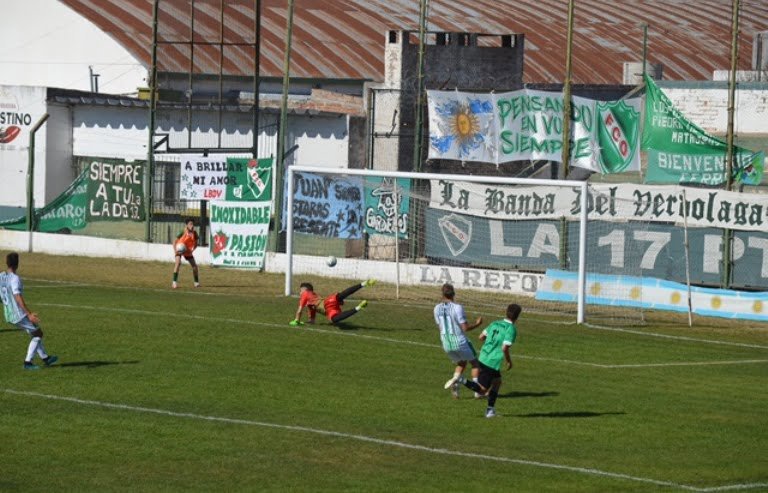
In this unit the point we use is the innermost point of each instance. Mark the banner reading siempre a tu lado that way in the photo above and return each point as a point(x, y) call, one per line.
point(239, 232)
point(528, 125)
point(222, 178)
point(680, 152)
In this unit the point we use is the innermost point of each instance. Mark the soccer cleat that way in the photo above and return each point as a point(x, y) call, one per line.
point(478, 395)
point(174, 285)
point(28, 365)
point(455, 379)
point(369, 282)
point(362, 305)
point(311, 321)
point(197, 284)
point(490, 413)
point(455, 390)
point(50, 360)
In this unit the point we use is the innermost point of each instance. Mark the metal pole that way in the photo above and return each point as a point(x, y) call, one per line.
point(419, 86)
point(279, 164)
point(31, 177)
point(581, 293)
point(567, 95)
point(397, 238)
point(687, 259)
point(190, 82)
point(150, 169)
point(256, 78)
point(289, 236)
point(729, 138)
point(221, 69)
point(732, 93)
point(645, 48)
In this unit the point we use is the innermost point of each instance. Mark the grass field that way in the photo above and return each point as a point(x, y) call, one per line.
point(211, 390)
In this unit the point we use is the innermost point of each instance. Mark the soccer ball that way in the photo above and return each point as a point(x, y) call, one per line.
point(181, 248)
point(331, 261)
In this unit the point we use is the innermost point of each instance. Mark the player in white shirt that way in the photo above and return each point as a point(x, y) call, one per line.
point(452, 322)
point(17, 313)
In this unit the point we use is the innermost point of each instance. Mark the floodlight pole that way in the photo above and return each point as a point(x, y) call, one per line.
point(279, 164)
point(728, 234)
point(256, 77)
point(645, 48)
point(418, 134)
point(150, 168)
point(567, 95)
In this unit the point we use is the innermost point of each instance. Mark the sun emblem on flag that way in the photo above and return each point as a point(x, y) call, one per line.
point(464, 125)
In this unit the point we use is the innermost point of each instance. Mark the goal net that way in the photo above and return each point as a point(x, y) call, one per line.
point(497, 240)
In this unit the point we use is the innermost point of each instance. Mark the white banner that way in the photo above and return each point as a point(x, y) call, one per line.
point(621, 202)
point(239, 232)
point(203, 178)
point(528, 125)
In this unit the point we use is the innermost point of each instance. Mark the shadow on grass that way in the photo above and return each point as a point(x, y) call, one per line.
point(568, 414)
point(93, 364)
point(8, 330)
point(514, 395)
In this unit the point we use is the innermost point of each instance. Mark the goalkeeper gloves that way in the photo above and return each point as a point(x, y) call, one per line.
point(294, 323)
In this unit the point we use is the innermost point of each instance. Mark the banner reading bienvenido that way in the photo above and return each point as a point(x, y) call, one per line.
point(220, 178)
point(681, 152)
point(528, 125)
point(239, 232)
point(382, 215)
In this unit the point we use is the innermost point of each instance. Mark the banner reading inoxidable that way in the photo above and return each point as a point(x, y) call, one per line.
point(661, 203)
point(528, 125)
point(239, 233)
point(681, 152)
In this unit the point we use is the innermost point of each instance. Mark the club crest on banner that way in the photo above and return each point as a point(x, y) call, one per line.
point(617, 135)
point(457, 233)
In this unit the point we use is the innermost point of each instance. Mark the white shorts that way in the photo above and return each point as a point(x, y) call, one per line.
point(466, 352)
point(26, 325)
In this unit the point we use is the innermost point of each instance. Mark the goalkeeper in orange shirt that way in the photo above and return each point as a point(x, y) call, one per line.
point(332, 304)
point(184, 246)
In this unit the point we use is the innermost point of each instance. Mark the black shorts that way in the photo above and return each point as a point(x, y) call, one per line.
point(487, 375)
point(190, 259)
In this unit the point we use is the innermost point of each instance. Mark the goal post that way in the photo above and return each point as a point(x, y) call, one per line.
point(403, 240)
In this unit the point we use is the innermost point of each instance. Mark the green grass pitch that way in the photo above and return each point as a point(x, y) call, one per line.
point(211, 390)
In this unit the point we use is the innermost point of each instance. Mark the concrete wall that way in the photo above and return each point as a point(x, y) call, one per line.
point(706, 104)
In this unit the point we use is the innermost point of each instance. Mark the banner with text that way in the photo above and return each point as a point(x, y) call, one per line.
point(330, 206)
point(386, 206)
point(239, 232)
point(681, 152)
point(106, 190)
point(661, 203)
point(115, 190)
point(655, 250)
point(222, 178)
point(528, 125)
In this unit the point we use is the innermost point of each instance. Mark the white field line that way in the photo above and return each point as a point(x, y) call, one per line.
point(609, 329)
point(308, 328)
point(379, 441)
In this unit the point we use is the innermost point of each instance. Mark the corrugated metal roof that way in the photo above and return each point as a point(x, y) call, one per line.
point(344, 39)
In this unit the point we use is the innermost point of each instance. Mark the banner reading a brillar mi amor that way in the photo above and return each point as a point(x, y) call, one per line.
point(528, 125)
point(239, 232)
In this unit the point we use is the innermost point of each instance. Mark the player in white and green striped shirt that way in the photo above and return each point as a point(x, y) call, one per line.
point(17, 313)
point(452, 322)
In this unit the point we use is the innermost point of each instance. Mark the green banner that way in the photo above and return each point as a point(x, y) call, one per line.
point(106, 190)
point(239, 232)
point(115, 190)
point(386, 207)
point(680, 152)
point(249, 179)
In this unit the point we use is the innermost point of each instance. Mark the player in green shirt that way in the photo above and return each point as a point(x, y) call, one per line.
point(497, 339)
